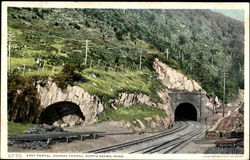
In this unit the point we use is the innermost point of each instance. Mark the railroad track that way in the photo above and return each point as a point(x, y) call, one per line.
point(166, 142)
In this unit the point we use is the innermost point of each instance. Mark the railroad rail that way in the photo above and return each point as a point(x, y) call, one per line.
point(166, 142)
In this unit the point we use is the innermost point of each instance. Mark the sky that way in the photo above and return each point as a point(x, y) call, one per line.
point(233, 13)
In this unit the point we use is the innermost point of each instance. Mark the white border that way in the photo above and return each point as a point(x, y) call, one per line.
point(126, 5)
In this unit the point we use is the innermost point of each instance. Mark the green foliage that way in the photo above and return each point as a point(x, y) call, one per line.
point(137, 111)
point(201, 43)
point(76, 58)
point(18, 128)
point(65, 77)
point(22, 99)
point(108, 84)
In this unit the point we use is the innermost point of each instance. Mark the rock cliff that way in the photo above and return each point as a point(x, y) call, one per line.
point(129, 99)
point(175, 80)
point(149, 124)
point(89, 105)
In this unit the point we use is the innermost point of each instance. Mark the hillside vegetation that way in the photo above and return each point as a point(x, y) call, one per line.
point(199, 43)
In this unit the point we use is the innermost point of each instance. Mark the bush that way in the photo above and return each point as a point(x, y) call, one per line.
point(65, 77)
point(23, 104)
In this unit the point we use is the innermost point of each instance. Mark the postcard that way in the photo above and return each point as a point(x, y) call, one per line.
point(124, 80)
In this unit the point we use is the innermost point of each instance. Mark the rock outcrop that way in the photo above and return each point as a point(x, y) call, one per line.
point(175, 80)
point(129, 99)
point(238, 101)
point(148, 124)
point(166, 105)
point(89, 105)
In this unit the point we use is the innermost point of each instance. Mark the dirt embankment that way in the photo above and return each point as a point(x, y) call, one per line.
point(233, 121)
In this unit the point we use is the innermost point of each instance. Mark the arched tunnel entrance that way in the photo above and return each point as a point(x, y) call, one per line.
point(185, 111)
point(57, 111)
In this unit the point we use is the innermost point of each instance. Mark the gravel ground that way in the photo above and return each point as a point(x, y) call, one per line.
point(198, 146)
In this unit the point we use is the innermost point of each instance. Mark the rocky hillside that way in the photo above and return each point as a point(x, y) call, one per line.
point(200, 43)
point(175, 80)
point(110, 54)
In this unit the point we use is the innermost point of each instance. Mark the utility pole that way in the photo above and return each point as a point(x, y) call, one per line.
point(166, 51)
point(140, 62)
point(9, 48)
point(98, 62)
point(213, 103)
point(24, 69)
point(224, 75)
point(53, 69)
point(90, 64)
point(200, 105)
point(44, 63)
point(86, 51)
point(9, 53)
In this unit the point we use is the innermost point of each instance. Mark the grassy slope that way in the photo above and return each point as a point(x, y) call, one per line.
point(109, 83)
point(136, 111)
point(18, 128)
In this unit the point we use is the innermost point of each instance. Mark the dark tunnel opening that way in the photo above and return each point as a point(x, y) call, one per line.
point(185, 111)
point(57, 111)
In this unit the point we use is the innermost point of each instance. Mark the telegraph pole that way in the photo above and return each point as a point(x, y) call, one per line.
point(224, 75)
point(200, 105)
point(166, 51)
point(9, 48)
point(9, 53)
point(213, 103)
point(140, 62)
point(86, 52)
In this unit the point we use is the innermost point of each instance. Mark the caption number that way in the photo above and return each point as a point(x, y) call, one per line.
point(16, 156)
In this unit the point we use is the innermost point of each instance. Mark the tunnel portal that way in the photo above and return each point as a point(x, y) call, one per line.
point(57, 111)
point(185, 111)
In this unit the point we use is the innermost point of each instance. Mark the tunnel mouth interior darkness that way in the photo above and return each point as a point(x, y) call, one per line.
point(57, 111)
point(185, 111)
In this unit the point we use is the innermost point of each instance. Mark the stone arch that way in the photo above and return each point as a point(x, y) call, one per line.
point(57, 111)
point(90, 105)
point(186, 111)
